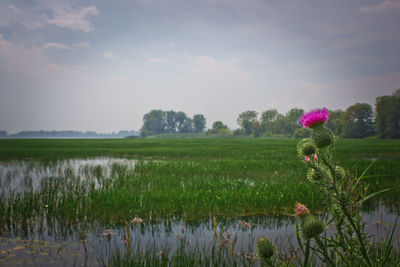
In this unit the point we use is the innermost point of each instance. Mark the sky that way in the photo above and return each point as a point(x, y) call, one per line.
point(100, 65)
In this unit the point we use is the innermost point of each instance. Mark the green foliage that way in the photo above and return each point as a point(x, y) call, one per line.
point(387, 110)
point(302, 133)
point(153, 123)
point(246, 121)
point(199, 122)
point(219, 127)
point(183, 178)
point(357, 121)
point(158, 122)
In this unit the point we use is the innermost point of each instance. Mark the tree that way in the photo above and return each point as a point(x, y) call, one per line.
point(292, 120)
point(170, 121)
point(246, 121)
point(268, 119)
point(3, 133)
point(302, 133)
point(387, 110)
point(256, 129)
point(219, 127)
point(199, 123)
point(187, 126)
point(357, 121)
point(335, 122)
point(153, 123)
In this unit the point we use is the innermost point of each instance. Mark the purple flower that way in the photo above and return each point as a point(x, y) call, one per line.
point(315, 117)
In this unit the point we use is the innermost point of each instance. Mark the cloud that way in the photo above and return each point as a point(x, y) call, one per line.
point(74, 19)
point(157, 60)
point(108, 54)
point(83, 45)
point(31, 65)
point(387, 5)
point(210, 66)
point(14, 8)
point(56, 46)
point(8, 14)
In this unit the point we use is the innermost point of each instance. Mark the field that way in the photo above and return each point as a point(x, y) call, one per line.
point(183, 182)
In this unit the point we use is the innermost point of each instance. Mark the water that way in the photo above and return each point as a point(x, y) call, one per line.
point(91, 244)
point(20, 175)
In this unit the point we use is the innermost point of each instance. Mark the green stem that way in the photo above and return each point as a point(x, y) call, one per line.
point(324, 251)
point(307, 253)
point(359, 236)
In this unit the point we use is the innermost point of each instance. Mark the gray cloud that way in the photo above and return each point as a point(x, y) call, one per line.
point(100, 65)
point(75, 19)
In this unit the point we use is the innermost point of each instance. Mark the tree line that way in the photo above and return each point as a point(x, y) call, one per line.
point(357, 121)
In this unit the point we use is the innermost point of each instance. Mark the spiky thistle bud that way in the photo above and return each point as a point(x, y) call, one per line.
point(265, 248)
point(311, 227)
point(306, 147)
point(322, 136)
point(317, 175)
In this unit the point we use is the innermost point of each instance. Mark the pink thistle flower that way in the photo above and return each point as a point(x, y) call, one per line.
point(315, 117)
point(306, 158)
point(301, 210)
point(315, 157)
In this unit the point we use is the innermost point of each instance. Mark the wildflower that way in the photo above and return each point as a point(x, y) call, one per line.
point(245, 224)
point(301, 210)
point(306, 158)
point(136, 220)
point(315, 117)
point(315, 157)
point(108, 233)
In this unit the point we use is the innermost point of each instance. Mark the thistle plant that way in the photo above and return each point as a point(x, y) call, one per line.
point(343, 194)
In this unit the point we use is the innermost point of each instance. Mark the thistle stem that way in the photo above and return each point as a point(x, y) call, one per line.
point(324, 251)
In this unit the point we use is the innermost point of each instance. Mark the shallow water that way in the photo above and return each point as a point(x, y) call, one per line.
point(21, 175)
point(87, 245)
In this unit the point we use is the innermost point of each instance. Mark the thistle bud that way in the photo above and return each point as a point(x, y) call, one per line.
point(306, 147)
point(322, 136)
point(317, 175)
point(311, 227)
point(265, 248)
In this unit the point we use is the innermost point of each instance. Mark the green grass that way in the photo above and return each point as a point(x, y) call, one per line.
point(193, 178)
point(190, 179)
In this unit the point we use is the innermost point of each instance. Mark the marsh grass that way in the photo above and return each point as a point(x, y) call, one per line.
point(190, 180)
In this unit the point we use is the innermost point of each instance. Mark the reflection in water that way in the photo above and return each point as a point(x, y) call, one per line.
point(168, 236)
point(23, 176)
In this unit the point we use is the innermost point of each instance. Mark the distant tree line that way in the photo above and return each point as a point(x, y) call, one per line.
point(159, 121)
point(68, 134)
point(357, 121)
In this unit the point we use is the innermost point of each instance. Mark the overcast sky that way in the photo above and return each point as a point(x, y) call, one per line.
point(101, 65)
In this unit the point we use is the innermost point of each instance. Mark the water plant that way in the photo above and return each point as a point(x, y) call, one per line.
point(343, 194)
